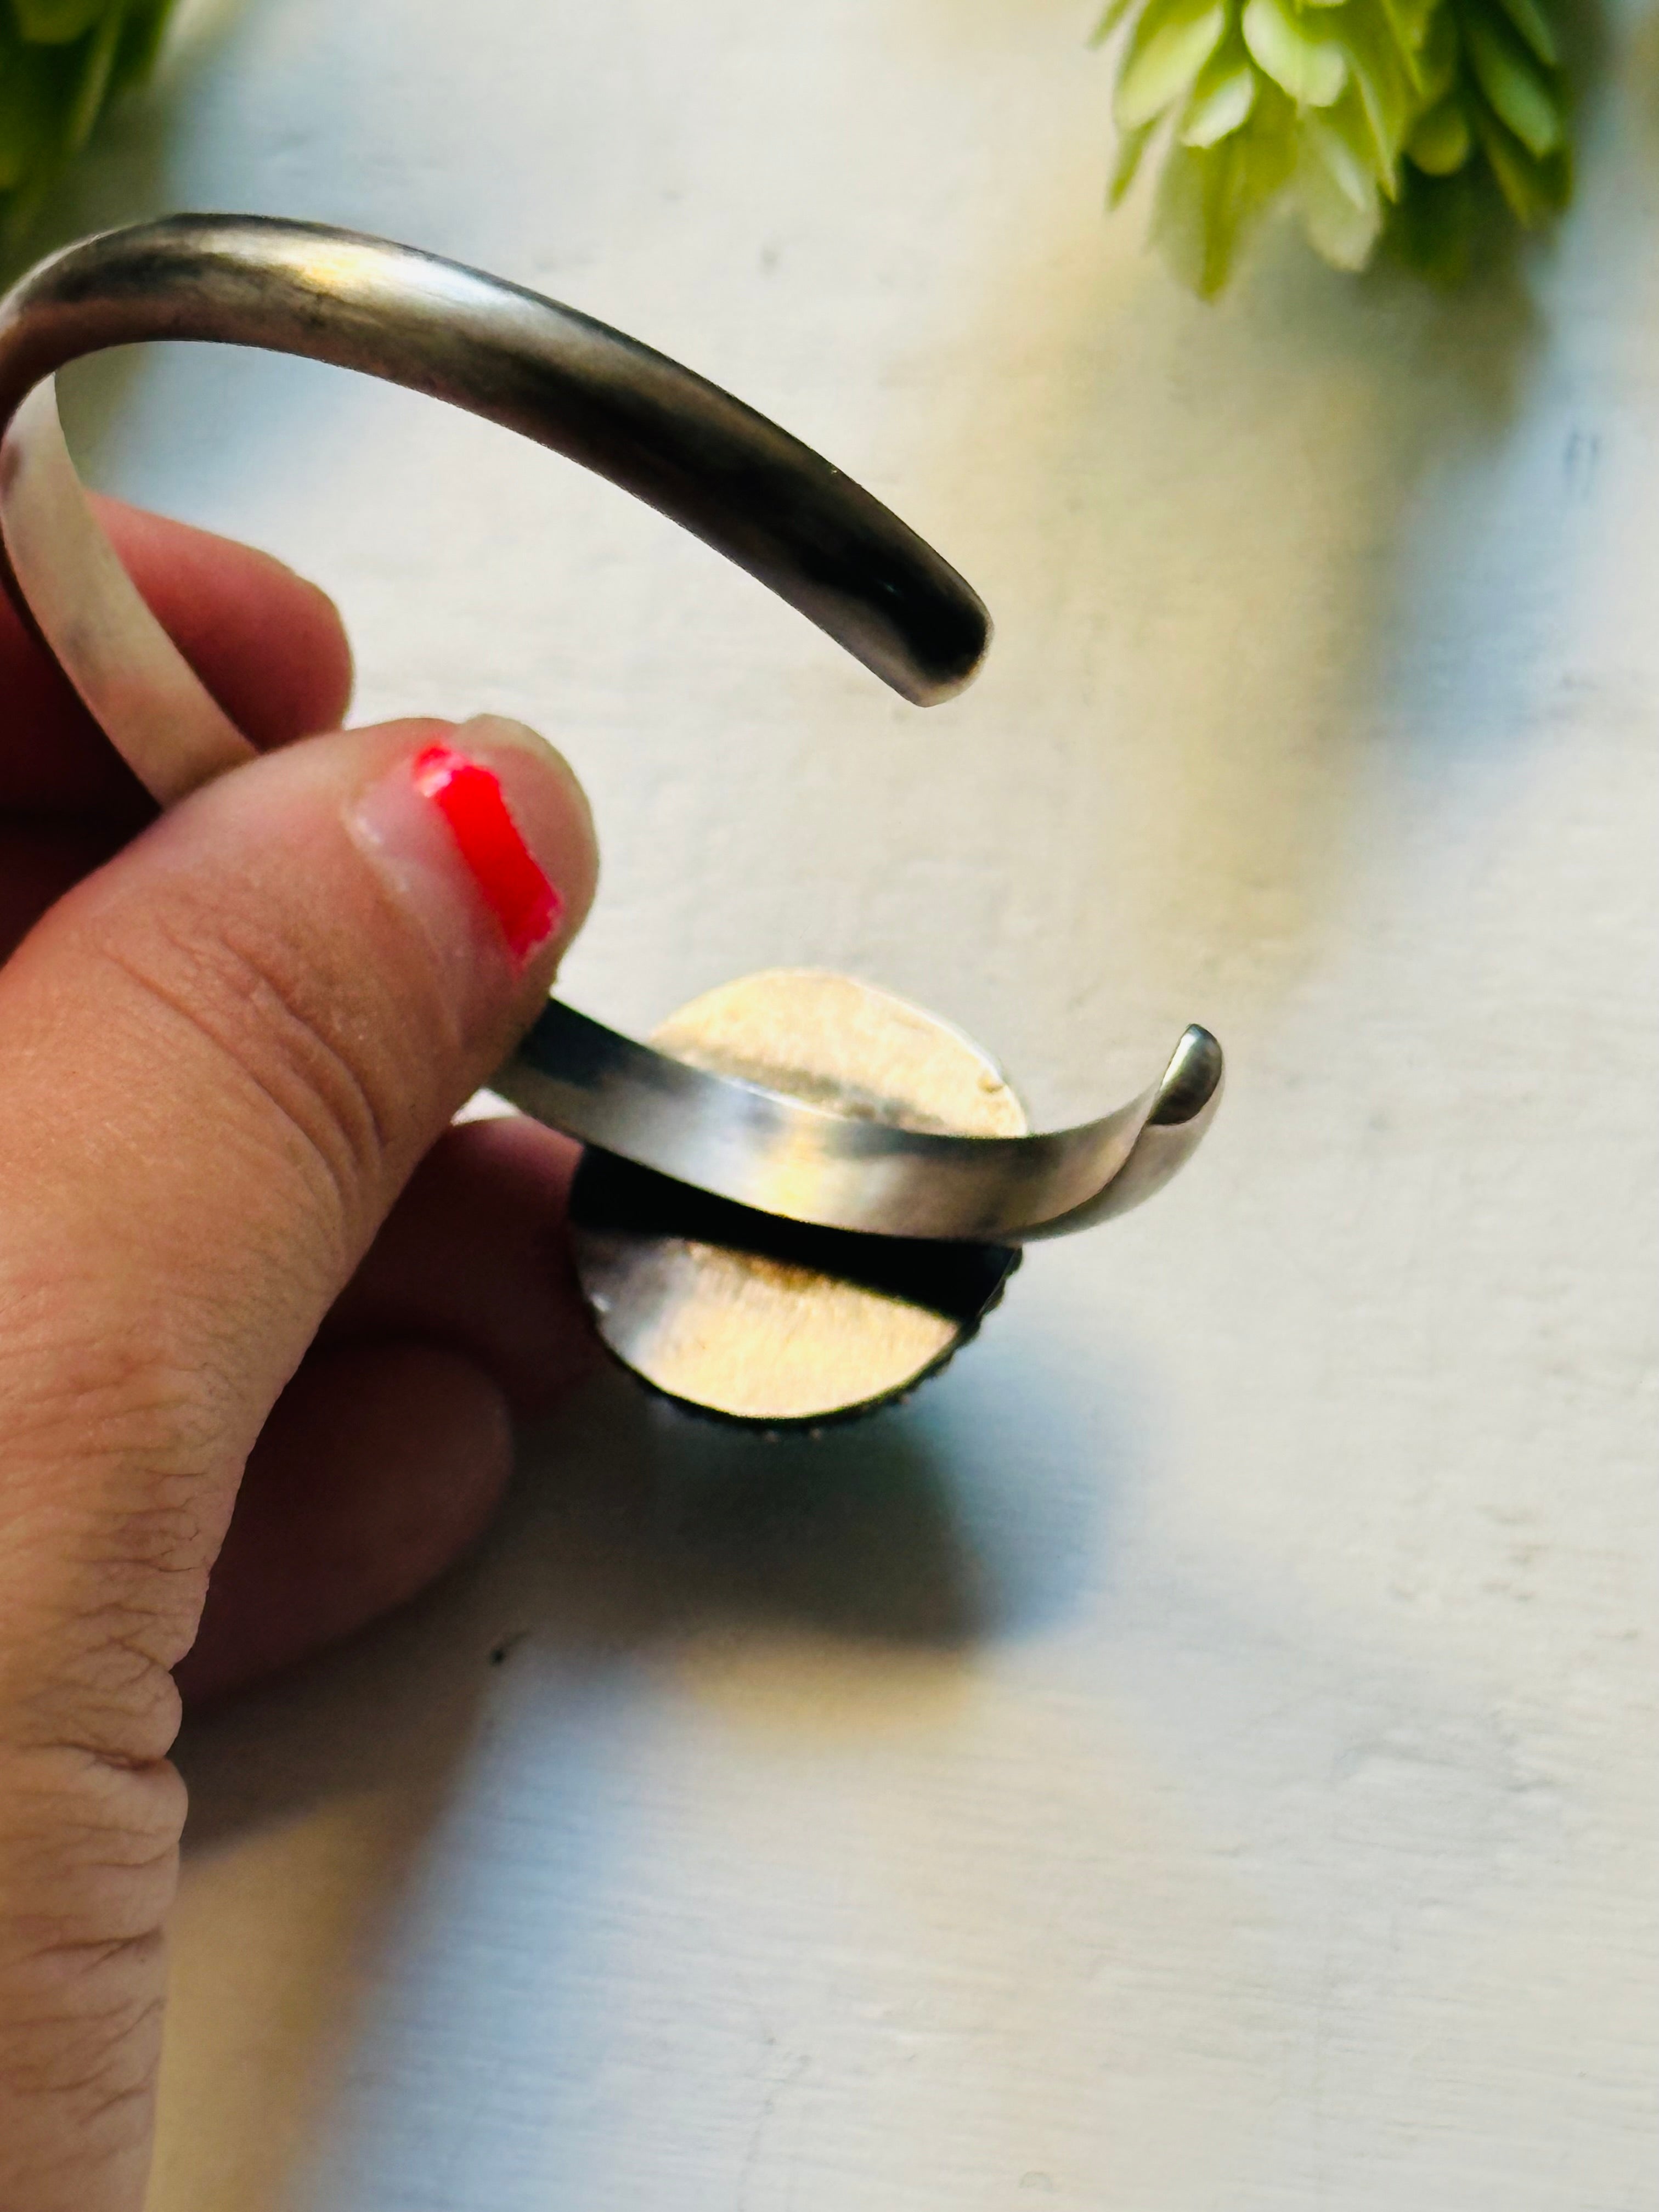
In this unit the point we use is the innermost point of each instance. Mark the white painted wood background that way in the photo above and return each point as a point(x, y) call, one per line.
point(1200, 1754)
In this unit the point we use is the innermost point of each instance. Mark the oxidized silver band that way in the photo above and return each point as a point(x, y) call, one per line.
point(698, 455)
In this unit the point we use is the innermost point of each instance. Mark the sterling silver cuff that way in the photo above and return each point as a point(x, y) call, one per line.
point(770, 1129)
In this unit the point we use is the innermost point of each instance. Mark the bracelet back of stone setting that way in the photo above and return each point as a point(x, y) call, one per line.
point(752, 1318)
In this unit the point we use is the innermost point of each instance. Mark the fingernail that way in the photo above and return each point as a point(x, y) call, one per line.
point(491, 734)
point(511, 881)
point(475, 832)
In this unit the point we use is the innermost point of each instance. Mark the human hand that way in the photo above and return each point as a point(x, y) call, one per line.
point(236, 1232)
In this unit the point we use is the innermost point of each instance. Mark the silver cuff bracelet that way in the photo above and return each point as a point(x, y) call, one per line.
point(802, 1194)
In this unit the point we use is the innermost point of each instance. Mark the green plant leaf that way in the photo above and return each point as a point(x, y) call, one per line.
point(1439, 59)
point(1169, 45)
point(1383, 82)
point(1114, 12)
point(1444, 227)
point(1223, 94)
point(1312, 70)
point(59, 66)
point(1210, 198)
point(1416, 18)
point(92, 89)
point(1443, 141)
point(142, 32)
point(1509, 79)
point(1341, 209)
point(1131, 145)
point(1411, 22)
point(1534, 189)
point(1534, 25)
point(1198, 220)
point(1343, 144)
point(31, 97)
point(55, 23)
point(1434, 124)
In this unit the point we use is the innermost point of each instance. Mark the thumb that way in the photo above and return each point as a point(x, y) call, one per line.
point(221, 1057)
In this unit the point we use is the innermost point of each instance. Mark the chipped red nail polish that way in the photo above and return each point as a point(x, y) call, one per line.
point(469, 798)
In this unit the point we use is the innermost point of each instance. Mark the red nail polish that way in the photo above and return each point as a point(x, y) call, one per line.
point(469, 797)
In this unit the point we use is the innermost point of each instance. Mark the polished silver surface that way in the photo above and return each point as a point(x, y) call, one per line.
point(864, 1170)
point(858, 1164)
point(672, 439)
point(139, 687)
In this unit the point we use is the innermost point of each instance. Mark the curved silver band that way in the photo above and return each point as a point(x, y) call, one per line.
point(701, 456)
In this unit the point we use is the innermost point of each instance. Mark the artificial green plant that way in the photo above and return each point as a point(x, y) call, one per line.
point(1411, 121)
point(61, 63)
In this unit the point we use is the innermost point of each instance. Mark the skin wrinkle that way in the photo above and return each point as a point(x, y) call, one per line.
point(108, 1403)
point(134, 1815)
point(125, 1716)
point(98, 2048)
point(110, 1674)
point(150, 1569)
point(339, 1075)
point(141, 1417)
point(345, 1137)
point(130, 1900)
point(115, 1673)
point(85, 1367)
point(101, 1683)
point(103, 2058)
point(87, 2048)
point(128, 1850)
point(161, 1538)
point(133, 1521)
point(71, 1971)
point(70, 1960)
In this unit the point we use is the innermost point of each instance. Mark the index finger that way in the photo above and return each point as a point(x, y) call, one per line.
point(269, 645)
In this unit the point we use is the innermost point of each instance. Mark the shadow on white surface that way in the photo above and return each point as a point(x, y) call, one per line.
point(634, 1527)
point(812, 1603)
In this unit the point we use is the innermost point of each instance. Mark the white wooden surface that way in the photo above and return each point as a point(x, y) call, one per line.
point(1199, 1753)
